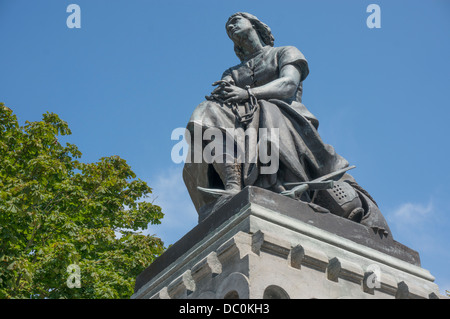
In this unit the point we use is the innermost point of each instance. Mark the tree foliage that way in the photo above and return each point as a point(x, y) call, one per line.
point(56, 211)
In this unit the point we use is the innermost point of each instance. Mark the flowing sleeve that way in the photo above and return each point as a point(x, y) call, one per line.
point(291, 55)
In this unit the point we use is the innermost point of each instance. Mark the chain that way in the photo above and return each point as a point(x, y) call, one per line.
point(252, 108)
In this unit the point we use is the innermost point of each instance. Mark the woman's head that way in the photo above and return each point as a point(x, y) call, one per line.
point(263, 30)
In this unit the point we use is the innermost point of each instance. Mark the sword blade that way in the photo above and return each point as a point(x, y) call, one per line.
point(324, 177)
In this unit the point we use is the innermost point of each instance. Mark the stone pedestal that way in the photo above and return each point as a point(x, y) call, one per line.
point(264, 245)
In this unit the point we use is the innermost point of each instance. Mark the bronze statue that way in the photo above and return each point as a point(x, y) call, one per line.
point(264, 91)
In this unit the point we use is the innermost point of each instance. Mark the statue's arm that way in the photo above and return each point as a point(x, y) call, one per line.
point(282, 88)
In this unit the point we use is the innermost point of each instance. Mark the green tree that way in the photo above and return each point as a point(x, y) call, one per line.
point(56, 211)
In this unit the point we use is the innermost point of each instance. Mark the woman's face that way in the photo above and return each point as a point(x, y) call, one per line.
point(238, 27)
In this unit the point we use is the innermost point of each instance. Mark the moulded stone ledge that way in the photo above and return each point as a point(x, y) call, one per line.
point(209, 266)
point(239, 244)
point(296, 256)
point(341, 268)
point(266, 242)
point(182, 286)
point(388, 284)
point(315, 259)
point(162, 294)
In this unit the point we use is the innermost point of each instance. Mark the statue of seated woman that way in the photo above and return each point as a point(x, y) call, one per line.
point(264, 91)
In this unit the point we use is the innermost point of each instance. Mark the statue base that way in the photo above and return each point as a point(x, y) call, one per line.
point(265, 245)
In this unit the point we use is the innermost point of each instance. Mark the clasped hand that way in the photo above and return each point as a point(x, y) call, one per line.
point(228, 93)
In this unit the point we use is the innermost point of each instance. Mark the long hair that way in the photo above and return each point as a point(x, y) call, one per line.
point(262, 29)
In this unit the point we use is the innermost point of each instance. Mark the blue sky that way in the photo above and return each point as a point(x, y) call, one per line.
point(136, 70)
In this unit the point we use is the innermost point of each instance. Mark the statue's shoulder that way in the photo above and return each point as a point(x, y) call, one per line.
point(289, 51)
point(291, 55)
point(286, 48)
